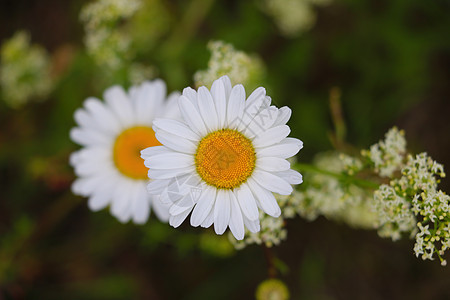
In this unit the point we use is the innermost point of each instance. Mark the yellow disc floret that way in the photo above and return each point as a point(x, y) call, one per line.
point(225, 158)
point(127, 148)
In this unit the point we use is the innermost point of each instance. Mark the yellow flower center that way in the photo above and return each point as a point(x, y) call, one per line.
point(127, 151)
point(225, 158)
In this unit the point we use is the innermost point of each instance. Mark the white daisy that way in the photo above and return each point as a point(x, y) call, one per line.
point(112, 134)
point(225, 159)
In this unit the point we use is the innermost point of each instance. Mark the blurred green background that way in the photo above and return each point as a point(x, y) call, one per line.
point(391, 62)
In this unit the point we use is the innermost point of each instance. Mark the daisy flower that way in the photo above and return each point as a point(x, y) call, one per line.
point(112, 134)
point(225, 159)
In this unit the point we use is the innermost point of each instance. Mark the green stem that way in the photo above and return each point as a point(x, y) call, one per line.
point(337, 116)
point(358, 181)
point(270, 258)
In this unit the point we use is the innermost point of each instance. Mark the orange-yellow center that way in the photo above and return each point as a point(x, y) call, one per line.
point(127, 150)
point(225, 159)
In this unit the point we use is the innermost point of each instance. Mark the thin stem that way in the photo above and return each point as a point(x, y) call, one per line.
point(270, 258)
point(337, 116)
point(358, 181)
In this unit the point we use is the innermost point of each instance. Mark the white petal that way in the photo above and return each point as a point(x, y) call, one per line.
point(164, 198)
point(147, 100)
point(262, 120)
point(88, 137)
point(226, 84)
point(180, 186)
point(159, 92)
point(100, 199)
point(124, 216)
point(207, 109)
point(271, 136)
point(272, 182)
point(204, 206)
point(220, 98)
point(247, 202)
point(222, 212)
point(256, 104)
point(191, 94)
point(236, 221)
point(92, 161)
point(169, 160)
point(236, 105)
point(120, 104)
point(291, 176)
point(272, 164)
point(103, 115)
point(177, 128)
point(84, 119)
point(75, 157)
point(187, 202)
point(157, 186)
point(255, 107)
point(141, 204)
point(284, 149)
point(265, 198)
point(154, 150)
point(252, 226)
point(192, 116)
point(95, 153)
point(86, 186)
point(160, 209)
point(77, 187)
point(169, 173)
point(209, 220)
point(257, 95)
point(89, 168)
point(284, 114)
point(176, 221)
point(175, 142)
point(171, 110)
point(121, 206)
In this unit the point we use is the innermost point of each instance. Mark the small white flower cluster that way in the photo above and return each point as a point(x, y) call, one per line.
point(394, 213)
point(226, 60)
point(273, 230)
point(107, 12)
point(24, 71)
point(292, 17)
point(332, 197)
point(388, 155)
point(420, 173)
point(138, 73)
point(105, 42)
point(419, 183)
point(351, 165)
point(411, 203)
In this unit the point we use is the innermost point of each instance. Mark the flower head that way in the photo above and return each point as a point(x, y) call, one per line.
point(112, 134)
point(224, 160)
